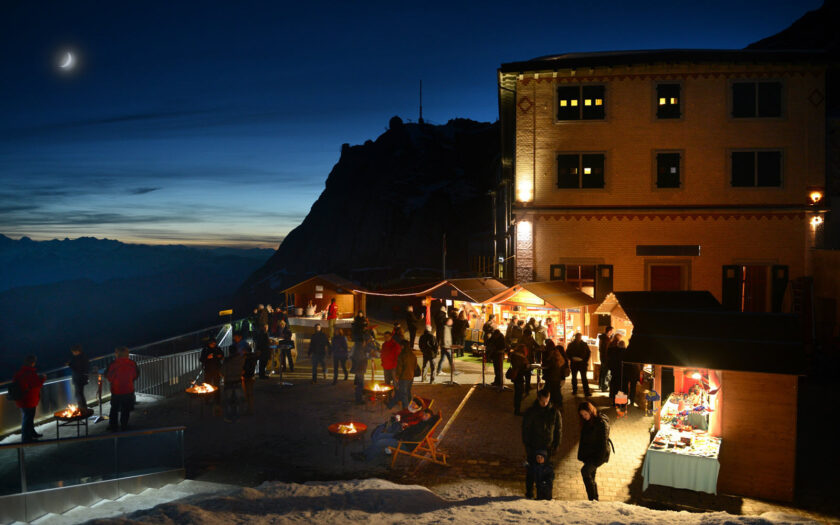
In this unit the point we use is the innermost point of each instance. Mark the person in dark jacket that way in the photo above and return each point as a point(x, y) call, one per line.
point(404, 375)
point(318, 347)
point(429, 348)
point(262, 346)
point(553, 363)
point(359, 327)
point(532, 353)
point(285, 345)
point(262, 316)
point(232, 373)
point(361, 354)
point(630, 376)
point(440, 322)
point(542, 429)
point(411, 433)
point(459, 332)
point(211, 361)
point(30, 383)
point(578, 353)
point(80, 367)
point(495, 349)
point(594, 446)
point(248, 368)
point(519, 368)
point(339, 351)
point(604, 341)
point(542, 471)
point(616, 355)
point(488, 328)
point(411, 325)
point(121, 373)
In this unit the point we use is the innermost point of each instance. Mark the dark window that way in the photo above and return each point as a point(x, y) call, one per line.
point(581, 102)
point(568, 103)
point(667, 170)
point(692, 250)
point(580, 171)
point(668, 102)
point(756, 99)
point(582, 277)
point(756, 168)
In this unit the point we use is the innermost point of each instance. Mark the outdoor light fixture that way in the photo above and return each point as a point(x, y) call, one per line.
point(816, 221)
point(524, 191)
point(816, 195)
point(524, 231)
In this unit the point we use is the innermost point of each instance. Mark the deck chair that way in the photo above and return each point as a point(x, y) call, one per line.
point(424, 450)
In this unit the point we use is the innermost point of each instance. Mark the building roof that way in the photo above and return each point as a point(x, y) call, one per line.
point(479, 289)
point(341, 284)
point(691, 329)
point(555, 294)
point(650, 56)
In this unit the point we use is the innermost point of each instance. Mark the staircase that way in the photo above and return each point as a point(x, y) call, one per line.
point(129, 503)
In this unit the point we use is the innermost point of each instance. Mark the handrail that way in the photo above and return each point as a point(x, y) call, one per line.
point(132, 350)
point(127, 433)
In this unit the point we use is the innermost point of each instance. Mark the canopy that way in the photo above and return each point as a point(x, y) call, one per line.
point(553, 294)
point(687, 329)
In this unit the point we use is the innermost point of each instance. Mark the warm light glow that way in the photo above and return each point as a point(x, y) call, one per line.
point(564, 103)
point(524, 231)
point(599, 102)
point(696, 376)
point(587, 171)
point(816, 196)
point(70, 411)
point(524, 191)
point(587, 102)
point(816, 221)
point(204, 388)
point(347, 429)
point(376, 387)
point(574, 102)
point(662, 101)
point(673, 100)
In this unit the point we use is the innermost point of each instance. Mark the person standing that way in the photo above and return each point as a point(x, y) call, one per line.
point(578, 353)
point(630, 376)
point(361, 353)
point(263, 348)
point(121, 373)
point(532, 353)
point(359, 327)
point(411, 324)
point(404, 374)
point(604, 341)
point(553, 371)
point(80, 367)
point(446, 346)
point(318, 346)
point(459, 332)
point(429, 349)
point(509, 331)
point(540, 334)
point(495, 349)
point(440, 323)
point(332, 315)
point(248, 368)
point(616, 354)
point(339, 350)
point(488, 328)
point(262, 317)
point(30, 383)
point(232, 374)
point(211, 361)
point(542, 429)
point(285, 345)
point(519, 366)
point(550, 329)
point(388, 357)
point(594, 445)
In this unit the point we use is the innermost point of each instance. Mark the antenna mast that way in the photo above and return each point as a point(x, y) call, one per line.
point(420, 120)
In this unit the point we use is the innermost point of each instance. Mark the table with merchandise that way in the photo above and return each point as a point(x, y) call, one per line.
point(683, 459)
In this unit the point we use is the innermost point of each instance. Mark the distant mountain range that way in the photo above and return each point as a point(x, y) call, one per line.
point(102, 293)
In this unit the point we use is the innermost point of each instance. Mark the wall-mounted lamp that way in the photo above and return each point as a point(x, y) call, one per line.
point(524, 191)
point(815, 196)
point(816, 220)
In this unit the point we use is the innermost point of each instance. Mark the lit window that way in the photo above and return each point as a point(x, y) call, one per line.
point(599, 102)
point(669, 101)
point(587, 171)
point(667, 170)
point(587, 102)
point(564, 103)
point(581, 102)
point(580, 170)
point(574, 103)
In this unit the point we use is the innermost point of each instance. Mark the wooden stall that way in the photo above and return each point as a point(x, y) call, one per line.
point(755, 360)
point(320, 290)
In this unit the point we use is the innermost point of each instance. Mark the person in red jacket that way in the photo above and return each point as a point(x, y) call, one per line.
point(121, 374)
point(388, 356)
point(30, 383)
point(332, 315)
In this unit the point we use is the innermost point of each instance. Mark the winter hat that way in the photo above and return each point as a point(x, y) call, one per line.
point(543, 453)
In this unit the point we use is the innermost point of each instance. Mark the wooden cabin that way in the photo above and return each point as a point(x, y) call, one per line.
point(321, 289)
point(757, 359)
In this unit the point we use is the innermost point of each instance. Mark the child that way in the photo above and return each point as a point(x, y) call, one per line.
point(543, 473)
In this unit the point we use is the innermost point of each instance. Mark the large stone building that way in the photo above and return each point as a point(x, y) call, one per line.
point(665, 170)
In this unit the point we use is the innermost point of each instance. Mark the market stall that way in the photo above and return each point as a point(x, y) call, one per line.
point(318, 291)
point(736, 374)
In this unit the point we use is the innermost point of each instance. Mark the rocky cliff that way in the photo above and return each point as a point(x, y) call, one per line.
point(388, 203)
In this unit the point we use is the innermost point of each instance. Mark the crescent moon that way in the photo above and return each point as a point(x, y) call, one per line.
point(68, 61)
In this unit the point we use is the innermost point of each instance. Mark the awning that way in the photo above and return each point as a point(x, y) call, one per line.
point(552, 294)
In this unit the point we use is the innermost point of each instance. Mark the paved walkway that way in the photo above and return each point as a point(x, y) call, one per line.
point(286, 440)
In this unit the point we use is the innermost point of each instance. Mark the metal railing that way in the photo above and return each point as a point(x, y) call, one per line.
point(163, 368)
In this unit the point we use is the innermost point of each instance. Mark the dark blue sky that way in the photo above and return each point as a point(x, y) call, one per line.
point(217, 122)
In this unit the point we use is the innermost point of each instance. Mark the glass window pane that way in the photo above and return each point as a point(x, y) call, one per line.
point(593, 102)
point(594, 178)
point(770, 99)
point(572, 271)
point(743, 99)
point(769, 168)
point(668, 96)
point(668, 170)
point(587, 272)
point(9, 471)
point(567, 171)
point(743, 168)
point(69, 463)
point(567, 103)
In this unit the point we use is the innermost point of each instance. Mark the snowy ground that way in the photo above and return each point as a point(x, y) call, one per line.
point(375, 501)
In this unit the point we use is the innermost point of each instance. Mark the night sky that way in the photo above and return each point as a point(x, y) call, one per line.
point(218, 122)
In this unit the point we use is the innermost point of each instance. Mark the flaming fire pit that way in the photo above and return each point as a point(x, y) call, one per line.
point(346, 432)
point(72, 415)
point(203, 391)
point(378, 392)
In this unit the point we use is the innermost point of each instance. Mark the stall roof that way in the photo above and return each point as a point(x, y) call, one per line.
point(685, 329)
point(339, 283)
point(480, 290)
point(618, 303)
point(557, 294)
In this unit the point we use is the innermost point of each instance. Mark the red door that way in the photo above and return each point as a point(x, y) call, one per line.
point(665, 278)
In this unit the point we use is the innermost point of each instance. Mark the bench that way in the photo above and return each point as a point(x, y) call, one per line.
point(424, 450)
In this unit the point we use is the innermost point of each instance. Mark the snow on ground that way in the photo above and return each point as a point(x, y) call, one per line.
point(375, 501)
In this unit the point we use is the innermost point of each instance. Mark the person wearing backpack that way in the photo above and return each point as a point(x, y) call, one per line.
point(121, 373)
point(594, 445)
point(26, 391)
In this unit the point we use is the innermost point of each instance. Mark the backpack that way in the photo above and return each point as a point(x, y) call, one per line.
point(15, 392)
point(609, 442)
